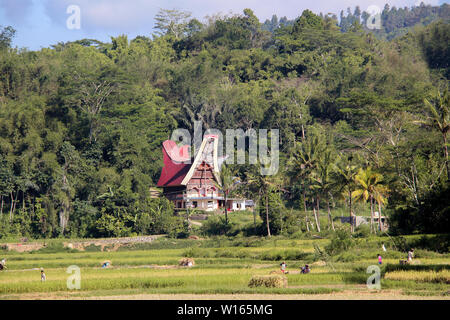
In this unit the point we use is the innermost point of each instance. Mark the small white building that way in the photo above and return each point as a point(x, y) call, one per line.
point(235, 204)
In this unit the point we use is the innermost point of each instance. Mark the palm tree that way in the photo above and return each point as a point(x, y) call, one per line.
point(369, 186)
point(264, 184)
point(380, 196)
point(322, 179)
point(303, 162)
point(344, 175)
point(439, 119)
point(227, 184)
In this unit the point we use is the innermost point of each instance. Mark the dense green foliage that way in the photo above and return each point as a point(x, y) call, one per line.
point(81, 123)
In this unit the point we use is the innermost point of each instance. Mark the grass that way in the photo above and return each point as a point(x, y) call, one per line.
point(420, 276)
point(222, 266)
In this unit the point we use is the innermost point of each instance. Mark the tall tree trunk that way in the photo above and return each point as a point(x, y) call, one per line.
point(1, 208)
point(225, 206)
point(14, 204)
point(267, 215)
point(62, 220)
point(11, 208)
point(380, 224)
point(351, 212)
point(306, 211)
point(64, 216)
point(444, 136)
point(371, 216)
point(318, 212)
point(254, 219)
point(317, 220)
point(15, 201)
point(254, 210)
point(329, 215)
point(31, 202)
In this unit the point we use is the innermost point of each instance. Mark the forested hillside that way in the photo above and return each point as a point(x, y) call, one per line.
point(361, 117)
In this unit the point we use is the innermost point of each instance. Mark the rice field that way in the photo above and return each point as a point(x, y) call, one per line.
point(222, 267)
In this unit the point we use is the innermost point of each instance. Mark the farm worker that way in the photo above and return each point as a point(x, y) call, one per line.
point(42, 275)
point(380, 259)
point(410, 255)
point(283, 267)
point(305, 269)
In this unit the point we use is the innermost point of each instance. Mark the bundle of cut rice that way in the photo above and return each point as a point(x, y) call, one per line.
point(270, 281)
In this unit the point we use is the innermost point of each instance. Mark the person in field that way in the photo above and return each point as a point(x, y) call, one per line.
point(410, 255)
point(283, 267)
point(43, 278)
point(305, 269)
point(380, 259)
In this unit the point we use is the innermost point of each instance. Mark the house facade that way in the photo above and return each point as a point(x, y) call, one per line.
point(192, 183)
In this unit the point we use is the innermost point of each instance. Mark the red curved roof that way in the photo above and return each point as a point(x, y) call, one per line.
point(178, 154)
point(174, 169)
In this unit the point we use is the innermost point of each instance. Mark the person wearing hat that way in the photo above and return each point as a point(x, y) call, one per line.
point(43, 278)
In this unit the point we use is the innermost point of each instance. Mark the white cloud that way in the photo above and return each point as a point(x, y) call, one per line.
point(16, 10)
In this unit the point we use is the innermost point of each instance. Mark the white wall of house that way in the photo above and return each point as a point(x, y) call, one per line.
point(236, 205)
point(206, 205)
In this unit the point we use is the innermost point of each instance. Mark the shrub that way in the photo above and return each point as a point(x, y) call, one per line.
point(346, 257)
point(363, 231)
point(439, 242)
point(192, 252)
point(340, 242)
point(215, 226)
point(246, 242)
point(297, 235)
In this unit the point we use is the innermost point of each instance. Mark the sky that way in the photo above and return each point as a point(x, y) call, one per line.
point(41, 23)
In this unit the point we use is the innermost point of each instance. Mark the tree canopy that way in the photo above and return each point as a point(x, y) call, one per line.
point(82, 123)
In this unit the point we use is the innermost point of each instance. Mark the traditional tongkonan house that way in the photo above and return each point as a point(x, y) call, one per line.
point(193, 184)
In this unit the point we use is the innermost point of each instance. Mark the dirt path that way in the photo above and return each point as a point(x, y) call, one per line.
point(344, 295)
point(111, 243)
point(115, 242)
